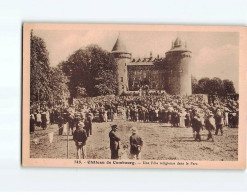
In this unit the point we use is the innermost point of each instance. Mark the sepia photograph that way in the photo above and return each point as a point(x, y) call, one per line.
point(132, 96)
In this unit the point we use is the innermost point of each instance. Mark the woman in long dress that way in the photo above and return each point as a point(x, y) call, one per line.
point(38, 119)
point(182, 118)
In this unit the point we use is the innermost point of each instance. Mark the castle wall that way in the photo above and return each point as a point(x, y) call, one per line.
point(146, 74)
point(122, 59)
point(179, 77)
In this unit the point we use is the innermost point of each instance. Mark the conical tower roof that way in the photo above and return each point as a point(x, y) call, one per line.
point(119, 46)
point(178, 42)
point(179, 45)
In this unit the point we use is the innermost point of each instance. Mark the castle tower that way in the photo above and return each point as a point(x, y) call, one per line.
point(122, 58)
point(179, 73)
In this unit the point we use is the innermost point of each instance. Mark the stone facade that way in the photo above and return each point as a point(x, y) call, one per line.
point(173, 75)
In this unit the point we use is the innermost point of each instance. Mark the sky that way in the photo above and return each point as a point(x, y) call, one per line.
point(214, 54)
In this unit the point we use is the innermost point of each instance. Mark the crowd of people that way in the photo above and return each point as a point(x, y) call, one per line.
point(177, 111)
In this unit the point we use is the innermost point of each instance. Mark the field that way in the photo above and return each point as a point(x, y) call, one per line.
point(161, 142)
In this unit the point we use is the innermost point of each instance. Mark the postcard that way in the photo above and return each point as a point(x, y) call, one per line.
point(134, 96)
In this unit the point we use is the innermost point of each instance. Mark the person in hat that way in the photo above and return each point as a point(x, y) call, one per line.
point(219, 121)
point(80, 138)
point(196, 126)
point(210, 125)
point(136, 144)
point(114, 142)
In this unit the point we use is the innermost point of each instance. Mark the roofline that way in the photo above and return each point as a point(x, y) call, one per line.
point(122, 52)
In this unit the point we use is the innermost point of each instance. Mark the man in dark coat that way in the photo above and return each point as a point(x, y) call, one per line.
point(135, 144)
point(60, 122)
point(43, 120)
point(219, 122)
point(210, 125)
point(114, 142)
point(32, 123)
point(196, 126)
point(88, 124)
point(80, 138)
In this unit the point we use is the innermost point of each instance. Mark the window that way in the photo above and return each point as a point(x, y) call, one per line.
point(121, 79)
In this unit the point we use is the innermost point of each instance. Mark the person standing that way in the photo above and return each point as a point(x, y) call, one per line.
point(38, 119)
point(114, 142)
point(80, 138)
point(226, 117)
point(43, 120)
point(219, 121)
point(60, 122)
point(47, 117)
point(210, 125)
point(88, 125)
point(187, 119)
point(52, 117)
point(32, 123)
point(196, 126)
point(136, 144)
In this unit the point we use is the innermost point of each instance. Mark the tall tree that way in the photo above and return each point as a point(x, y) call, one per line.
point(40, 72)
point(58, 84)
point(203, 85)
point(93, 69)
point(215, 87)
point(228, 87)
point(194, 84)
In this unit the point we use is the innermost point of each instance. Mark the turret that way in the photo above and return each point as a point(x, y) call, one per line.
point(179, 72)
point(122, 58)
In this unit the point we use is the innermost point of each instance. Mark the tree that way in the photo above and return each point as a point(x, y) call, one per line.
point(215, 87)
point(40, 72)
point(91, 68)
point(228, 87)
point(59, 85)
point(203, 85)
point(194, 84)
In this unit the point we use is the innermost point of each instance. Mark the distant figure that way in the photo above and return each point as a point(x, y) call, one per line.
point(38, 119)
point(226, 118)
point(80, 138)
point(210, 125)
point(32, 123)
point(219, 121)
point(52, 117)
point(60, 122)
point(196, 126)
point(88, 124)
point(114, 142)
point(43, 120)
point(187, 120)
point(135, 144)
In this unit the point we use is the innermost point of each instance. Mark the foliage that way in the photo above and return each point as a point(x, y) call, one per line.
point(194, 84)
point(47, 83)
point(214, 86)
point(59, 85)
point(229, 86)
point(40, 73)
point(91, 68)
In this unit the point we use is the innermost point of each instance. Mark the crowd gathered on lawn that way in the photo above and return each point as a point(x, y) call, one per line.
point(176, 111)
